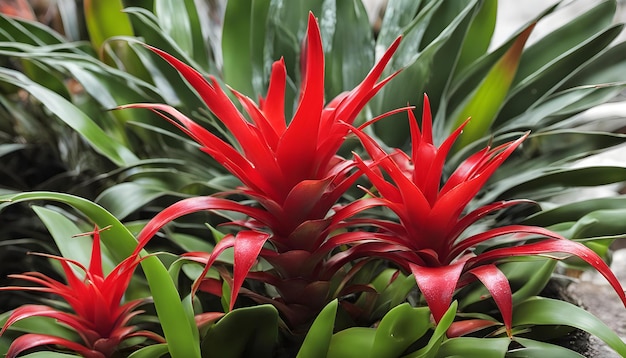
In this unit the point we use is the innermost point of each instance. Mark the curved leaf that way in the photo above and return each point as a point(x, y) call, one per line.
point(73, 117)
point(317, 340)
point(545, 311)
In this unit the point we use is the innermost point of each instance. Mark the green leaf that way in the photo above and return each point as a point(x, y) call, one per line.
point(484, 104)
point(73, 117)
point(435, 342)
point(318, 338)
point(575, 211)
point(534, 348)
point(174, 21)
point(354, 342)
point(349, 54)
point(63, 231)
point(398, 329)
point(243, 332)
point(125, 198)
point(474, 347)
point(545, 311)
point(105, 19)
point(240, 32)
point(479, 34)
point(153, 351)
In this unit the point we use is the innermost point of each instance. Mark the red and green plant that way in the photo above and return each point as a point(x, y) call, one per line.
point(99, 318)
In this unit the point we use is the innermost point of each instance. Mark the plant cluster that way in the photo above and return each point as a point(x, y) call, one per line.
point(322, 218)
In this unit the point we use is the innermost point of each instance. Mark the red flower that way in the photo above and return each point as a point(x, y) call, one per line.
point(98, 318)
point(428, 240)
point(290, 168)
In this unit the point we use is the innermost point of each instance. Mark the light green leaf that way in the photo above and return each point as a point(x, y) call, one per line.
point(398, 329)
point(153, 351)
point(318, 338)
point(545, 311)
point(243, 332)
point(474, 347)
point(105, 19)
point(434, 344)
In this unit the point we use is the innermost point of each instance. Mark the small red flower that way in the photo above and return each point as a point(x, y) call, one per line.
point(98, 318)
point(428, 239)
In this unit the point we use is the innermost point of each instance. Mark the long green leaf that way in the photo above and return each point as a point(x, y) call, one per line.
point(484, 104)
point(243, 332)
point(545, 311)
point(474, 347)
point(317, 340)
point(73, 117)
point(398, 329)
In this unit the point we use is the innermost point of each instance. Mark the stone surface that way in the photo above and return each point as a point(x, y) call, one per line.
point(598, 297)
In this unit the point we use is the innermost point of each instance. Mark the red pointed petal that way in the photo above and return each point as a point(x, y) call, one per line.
point(437, 285)
point(196, 204)
point(498, 286)
point(29, 341)
point(27, 311)
point(474, 240)
point(296, 150)
point(274, 104)
point(550, 246)
point(478, 214)
point(358, 97)
point(95, 263)
point(248, 245)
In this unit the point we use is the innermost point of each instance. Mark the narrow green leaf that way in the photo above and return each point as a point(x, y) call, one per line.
point(174, 21)
point(575, 211)
point(236, 44)
point(474, 347)
point(349, 54)
point(486, 101)
point(125, 198)
point(243, 332)
point(73, 117)
point(545, 311)
point(354, 342)
point(317, 340)
point(479, 34)
point(153, 351)
point(534, 348)
point(398, 329)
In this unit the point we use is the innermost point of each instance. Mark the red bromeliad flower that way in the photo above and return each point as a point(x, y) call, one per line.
point(428, 239)
point(98, 318)
point(291, 169)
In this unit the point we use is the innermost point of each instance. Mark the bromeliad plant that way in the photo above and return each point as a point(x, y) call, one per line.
point(99, 318)
point(420, 266)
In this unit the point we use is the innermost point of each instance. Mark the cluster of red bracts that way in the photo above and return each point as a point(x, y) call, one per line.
point(302, 227)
